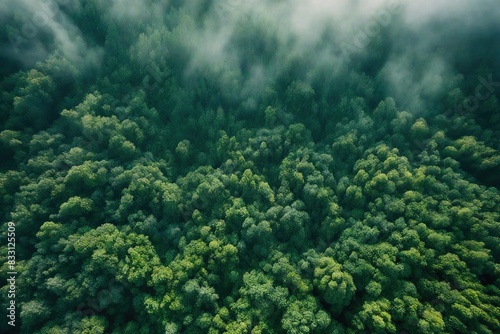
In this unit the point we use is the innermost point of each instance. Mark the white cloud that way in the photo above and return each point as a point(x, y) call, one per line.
point(39, 19)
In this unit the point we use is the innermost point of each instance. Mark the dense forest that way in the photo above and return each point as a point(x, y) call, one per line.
point(222, 166)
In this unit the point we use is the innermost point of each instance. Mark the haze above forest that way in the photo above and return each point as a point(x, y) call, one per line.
point(251, 167)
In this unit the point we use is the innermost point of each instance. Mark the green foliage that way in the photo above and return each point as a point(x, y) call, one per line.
point(165, 181)
point(336, 288)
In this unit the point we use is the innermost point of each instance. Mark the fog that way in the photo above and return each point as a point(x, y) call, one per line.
point(42, 28)
point(334, 35)
point(421, 43)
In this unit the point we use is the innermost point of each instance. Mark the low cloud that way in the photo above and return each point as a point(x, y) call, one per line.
point(248, 45)
point(334, 34)
point(40, 28)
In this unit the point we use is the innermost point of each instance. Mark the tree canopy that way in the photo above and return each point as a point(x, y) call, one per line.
point(214, 167)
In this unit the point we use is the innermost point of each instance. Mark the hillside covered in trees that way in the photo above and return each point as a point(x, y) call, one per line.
point(222, 166)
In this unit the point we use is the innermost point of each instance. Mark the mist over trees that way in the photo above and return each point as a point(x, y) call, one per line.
point(251, 167)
